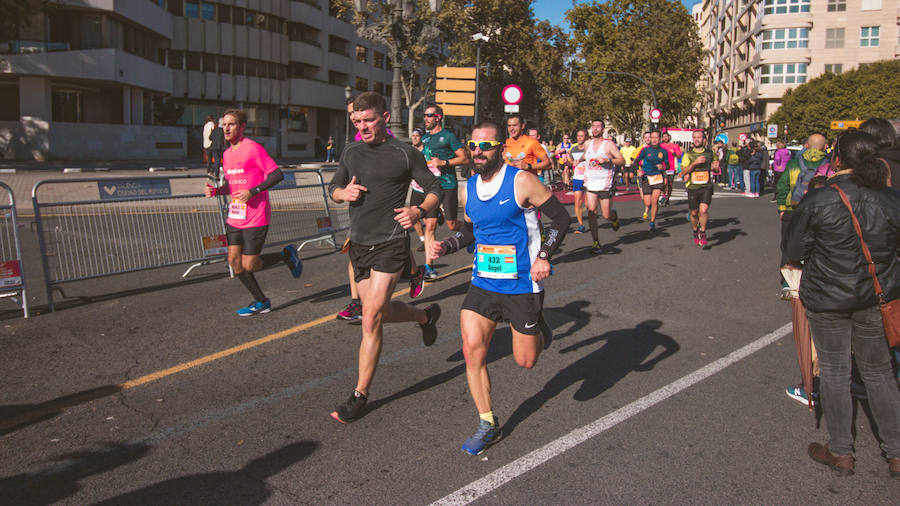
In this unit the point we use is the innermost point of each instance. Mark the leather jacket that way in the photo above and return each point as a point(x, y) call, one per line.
point(821, 235)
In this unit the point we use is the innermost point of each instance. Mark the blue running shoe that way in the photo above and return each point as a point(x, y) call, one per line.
point(291, 257)
point(430, 273)
point(799, 394)
point(255, 308)
point(580, 229)
point(652, 226)
point(485, 436)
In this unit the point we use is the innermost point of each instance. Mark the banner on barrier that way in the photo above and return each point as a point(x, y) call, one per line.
point(10, 273)
point(130, 188)
point(214, 245)
point(324, 224)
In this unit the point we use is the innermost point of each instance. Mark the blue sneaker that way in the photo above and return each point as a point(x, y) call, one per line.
point(485, 436)
point(290, 256)
point(580, 229)
point(255, 308)
point(652, 226)
point(798, 393)
point(430, 273)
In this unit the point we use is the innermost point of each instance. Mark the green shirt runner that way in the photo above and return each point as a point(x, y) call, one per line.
point(443, 145)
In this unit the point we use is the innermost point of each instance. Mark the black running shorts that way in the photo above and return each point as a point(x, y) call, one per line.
point(416, 199)
point(390, 257)
point(523, 311)
point(647, 188)
point(604, 195)
point(699, 196)
point(450, 203)
point(250, 239)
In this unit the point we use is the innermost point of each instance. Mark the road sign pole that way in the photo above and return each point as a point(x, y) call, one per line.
point(477, 80)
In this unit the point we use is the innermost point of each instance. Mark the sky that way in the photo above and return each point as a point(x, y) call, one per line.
point(555, 10)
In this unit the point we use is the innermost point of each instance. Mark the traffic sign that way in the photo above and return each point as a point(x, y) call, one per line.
point(845, 124)
point(512, 94)
point(742, 137)
point(771, 131)
point(455, 90)
point(655, 114)
point(510, 108)
point(723, 137)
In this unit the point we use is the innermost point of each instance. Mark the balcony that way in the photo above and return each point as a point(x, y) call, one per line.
point(143, 13)
point(95, 65)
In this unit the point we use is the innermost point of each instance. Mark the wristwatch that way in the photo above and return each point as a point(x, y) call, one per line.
point(543, 255)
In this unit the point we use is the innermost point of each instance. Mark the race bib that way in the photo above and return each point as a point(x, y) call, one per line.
point(699, 177)
point(579, 171)
point(496, 262)
point(237, 211)
point(670, 172)
point(657, 179)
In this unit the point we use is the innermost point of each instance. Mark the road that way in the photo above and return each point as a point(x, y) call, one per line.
point(665, 384)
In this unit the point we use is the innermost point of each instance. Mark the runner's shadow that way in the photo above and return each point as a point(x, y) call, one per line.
point(625, 351)
point(721, 222)
point(53, 485)
point(334, 292)
point(17, 416)
point(244, 486)
point(723, 236)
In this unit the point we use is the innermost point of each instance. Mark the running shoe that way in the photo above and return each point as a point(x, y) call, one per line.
point(615, 224)
point(417, 282)
point(799, 394)
point(291, 257)
point(430, 274)
point(652, 226)
point(351, 313)
point(644, 216)
point(485, 436)
point(580, 229)
point(352, 409)
point(702, 237)
point(696, 235)
point(785, 293)
point(596, 249)
point(429, 328)
point(255, 308)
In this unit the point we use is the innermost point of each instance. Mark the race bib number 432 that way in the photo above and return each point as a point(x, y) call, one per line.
point(496, 262)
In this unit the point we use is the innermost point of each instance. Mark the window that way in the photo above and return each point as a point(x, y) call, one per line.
point(209, 63)
point(378, 60)
point(208, 11)
point(191, 9)
point(298, 119)
point(362, 54)
point(91, 31)
point(299, 32)
point(238, 66)
point(362, 84)
point(786, 38)
point(337, 45)
point(224, 13)
point(783, 73)
point(834, 68)
point(837, 5)
point(251, 67)
point(192, 60)
point(237, 15)
point(176, 59)
point(300, 70)
point(868, 36)
point(66, 106)
point(338, 78)
point(378, 87)
point(224, 64)
point(834, 38)
point(176, 7)
point(785, 6)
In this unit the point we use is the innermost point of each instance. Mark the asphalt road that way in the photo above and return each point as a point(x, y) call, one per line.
point(665, 385)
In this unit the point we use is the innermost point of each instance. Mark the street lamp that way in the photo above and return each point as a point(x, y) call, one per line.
point(348, 91)
point(396, 33)
point(478, 37)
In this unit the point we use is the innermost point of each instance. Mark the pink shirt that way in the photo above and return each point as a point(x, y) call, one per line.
point(674, 151)
point(246, 165)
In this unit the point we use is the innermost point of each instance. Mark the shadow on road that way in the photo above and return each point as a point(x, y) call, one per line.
point(624, 351)
point(244, 486)
point(16, 416)
point(62, 480)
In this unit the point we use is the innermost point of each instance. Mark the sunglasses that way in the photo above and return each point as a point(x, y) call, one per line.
point(483, 145)
point(432, 115)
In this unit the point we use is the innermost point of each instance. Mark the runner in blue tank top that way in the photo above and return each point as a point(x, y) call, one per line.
point(510, 266)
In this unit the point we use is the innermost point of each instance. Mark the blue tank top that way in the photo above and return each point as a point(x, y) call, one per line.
point(507, 237)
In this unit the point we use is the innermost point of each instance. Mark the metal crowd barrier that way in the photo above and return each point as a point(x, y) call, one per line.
point(90, 228)
point(12, 272)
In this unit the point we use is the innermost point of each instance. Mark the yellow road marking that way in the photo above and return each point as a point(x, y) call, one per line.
point(51, 408)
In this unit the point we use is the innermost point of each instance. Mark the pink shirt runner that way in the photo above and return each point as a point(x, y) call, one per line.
point(246, 165)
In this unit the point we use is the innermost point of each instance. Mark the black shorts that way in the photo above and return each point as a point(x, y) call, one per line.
point(699, 196)
point(417, 198)
point(648, 188)
point(450, 203)
point(604, 194)
point(250, 239)
point(390, 257)
point(523, 311)
point(629, 169)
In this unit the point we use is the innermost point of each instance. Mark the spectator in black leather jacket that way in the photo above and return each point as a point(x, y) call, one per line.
point(839, 294)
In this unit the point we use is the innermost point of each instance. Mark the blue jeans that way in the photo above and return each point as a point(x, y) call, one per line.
point(734, 176)
point(862, 332)
point(329, 155)
point(754, 181)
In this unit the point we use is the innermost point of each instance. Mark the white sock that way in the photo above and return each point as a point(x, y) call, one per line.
point(421, 238)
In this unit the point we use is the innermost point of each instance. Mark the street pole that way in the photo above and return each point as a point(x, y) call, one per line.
point(396, 123)
point(347, 92)
point(477, 79)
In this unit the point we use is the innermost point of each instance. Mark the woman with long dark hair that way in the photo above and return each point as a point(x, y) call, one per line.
point(839, 294)
point(888, 145)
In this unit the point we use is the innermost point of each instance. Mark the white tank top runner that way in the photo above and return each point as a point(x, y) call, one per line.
point(597, 177)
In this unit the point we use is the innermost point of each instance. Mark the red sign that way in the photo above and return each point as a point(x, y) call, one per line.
point(10, 273)
point(214, 245)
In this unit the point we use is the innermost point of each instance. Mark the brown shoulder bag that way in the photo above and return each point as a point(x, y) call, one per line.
point(890, 311)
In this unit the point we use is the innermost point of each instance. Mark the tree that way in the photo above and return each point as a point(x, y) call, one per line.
point(867, 92)
point(655, 39)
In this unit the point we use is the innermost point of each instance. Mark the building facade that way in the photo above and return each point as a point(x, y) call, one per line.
point(758, 49)
point(136, 79)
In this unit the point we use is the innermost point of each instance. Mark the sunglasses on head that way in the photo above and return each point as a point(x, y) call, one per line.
point(483, 145)
point(432, 115)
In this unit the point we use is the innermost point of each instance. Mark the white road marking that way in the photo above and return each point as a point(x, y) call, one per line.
point(552, 449)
